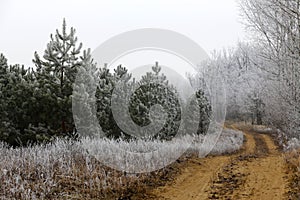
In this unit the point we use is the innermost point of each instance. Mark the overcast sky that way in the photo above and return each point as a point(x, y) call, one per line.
point(26, 25)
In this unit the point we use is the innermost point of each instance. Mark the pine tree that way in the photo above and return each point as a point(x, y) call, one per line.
point(154, 89)
point(83, 98)
point(4, 118)
point(17, 104)
point(107, 84)
point(3, 69)
point(198, 112)
point(56, 74)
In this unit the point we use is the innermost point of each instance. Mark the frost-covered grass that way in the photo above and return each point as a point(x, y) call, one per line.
point(229, 141)
point(292, 144)
point(65, 169)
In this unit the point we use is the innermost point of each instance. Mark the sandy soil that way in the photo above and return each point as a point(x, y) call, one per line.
point(256, 172)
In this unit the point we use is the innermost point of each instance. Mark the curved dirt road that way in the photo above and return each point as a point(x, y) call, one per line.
point(256, 172)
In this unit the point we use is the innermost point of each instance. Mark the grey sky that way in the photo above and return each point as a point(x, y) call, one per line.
point(26, 25)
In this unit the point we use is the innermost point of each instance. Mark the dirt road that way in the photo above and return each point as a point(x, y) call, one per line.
point(256, 172)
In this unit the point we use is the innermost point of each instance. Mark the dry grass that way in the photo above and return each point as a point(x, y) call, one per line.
point(292, 159)
point(65, 170)
point(72, 176)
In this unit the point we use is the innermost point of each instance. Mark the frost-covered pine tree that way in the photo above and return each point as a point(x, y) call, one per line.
point(107, 84)
point(3, 69)
point(84, 99)
point(154, 89)
point(56, 73)
point(17, 105)
point(198, 103)
point(5, 123)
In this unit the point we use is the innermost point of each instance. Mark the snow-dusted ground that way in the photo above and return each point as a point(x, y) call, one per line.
point(34, 172)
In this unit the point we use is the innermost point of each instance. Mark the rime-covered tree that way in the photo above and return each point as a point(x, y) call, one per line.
point(107, 84)
point(83, 98)
point(276, 25)
point(56, 73)
point(154, 88)
point(4, 81)
point(198, 103)
point(18, 106)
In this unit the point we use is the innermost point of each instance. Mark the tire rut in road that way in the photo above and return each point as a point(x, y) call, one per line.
point(255, 172)
point(257, 175)
point(230, 178)
point(261, 147)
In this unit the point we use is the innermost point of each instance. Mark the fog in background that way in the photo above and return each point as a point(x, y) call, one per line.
point(26, 25)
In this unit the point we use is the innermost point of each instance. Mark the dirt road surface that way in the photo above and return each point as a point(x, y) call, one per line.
point(256, 172)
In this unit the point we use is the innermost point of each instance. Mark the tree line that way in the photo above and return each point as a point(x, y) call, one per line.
point(263, 74)
point(36, 103)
